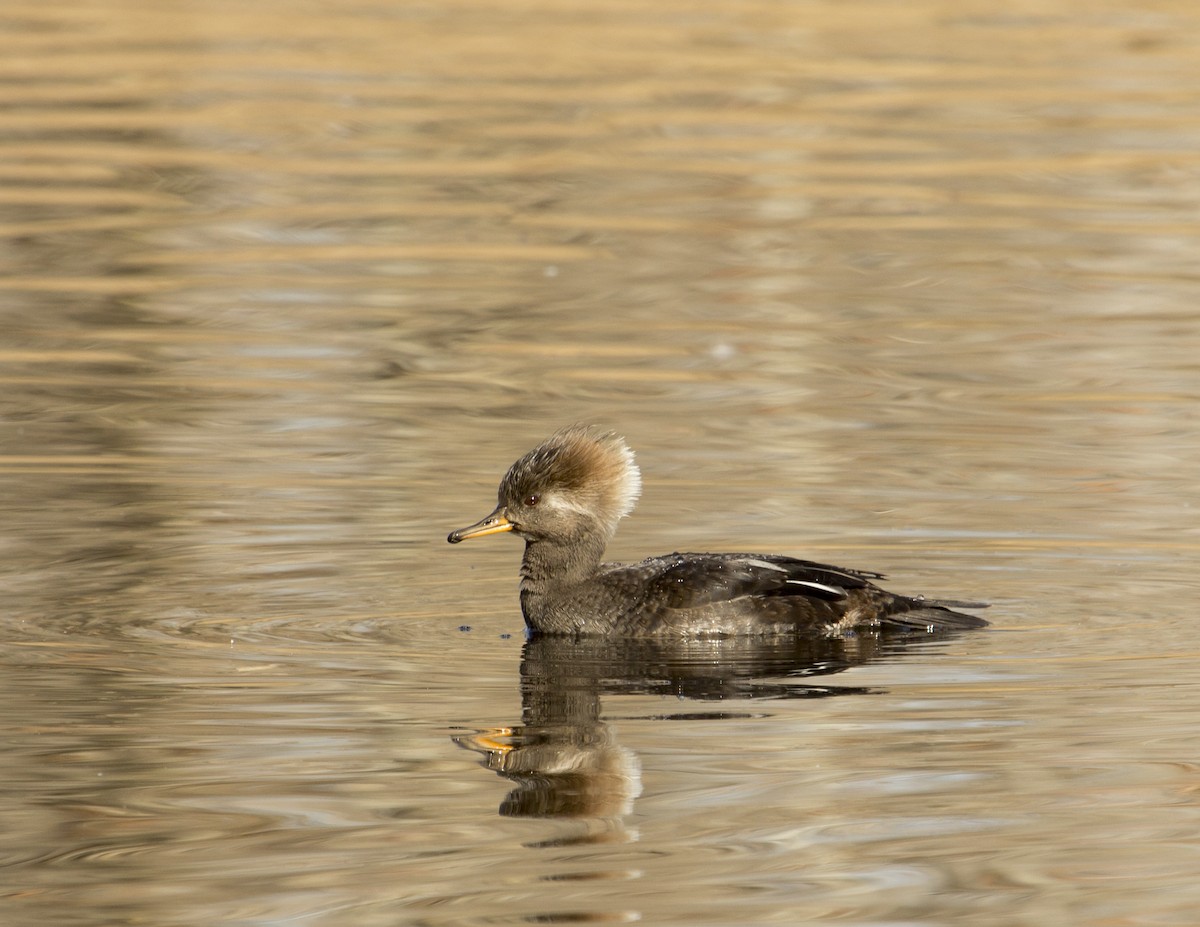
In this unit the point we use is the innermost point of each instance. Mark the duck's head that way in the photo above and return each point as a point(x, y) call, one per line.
point(575, 485)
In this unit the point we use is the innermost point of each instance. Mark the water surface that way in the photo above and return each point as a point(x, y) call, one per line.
point(283, 290)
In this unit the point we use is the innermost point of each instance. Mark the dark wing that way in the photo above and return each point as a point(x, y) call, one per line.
point(695, 580)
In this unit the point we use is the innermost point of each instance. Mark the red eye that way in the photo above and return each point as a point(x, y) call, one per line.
point(532, 499)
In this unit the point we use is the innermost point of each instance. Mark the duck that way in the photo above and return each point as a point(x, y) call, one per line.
point(565, 498)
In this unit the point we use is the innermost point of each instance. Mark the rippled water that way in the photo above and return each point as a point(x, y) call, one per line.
point(285, 287)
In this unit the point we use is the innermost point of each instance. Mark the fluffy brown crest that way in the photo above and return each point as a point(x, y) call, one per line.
point(587, 469)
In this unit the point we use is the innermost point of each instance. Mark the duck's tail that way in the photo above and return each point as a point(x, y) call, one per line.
point(930, 616)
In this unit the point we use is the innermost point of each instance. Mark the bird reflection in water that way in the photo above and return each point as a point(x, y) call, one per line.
point(565, 758)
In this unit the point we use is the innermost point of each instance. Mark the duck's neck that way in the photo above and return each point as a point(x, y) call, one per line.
point(549, 565)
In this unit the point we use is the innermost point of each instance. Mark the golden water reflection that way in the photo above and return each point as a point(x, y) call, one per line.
point(284, 287)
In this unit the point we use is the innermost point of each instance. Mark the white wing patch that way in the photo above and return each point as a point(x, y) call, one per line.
point(764, 564)
point(819, 587)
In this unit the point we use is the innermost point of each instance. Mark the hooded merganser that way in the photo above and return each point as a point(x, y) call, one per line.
point(565, 498)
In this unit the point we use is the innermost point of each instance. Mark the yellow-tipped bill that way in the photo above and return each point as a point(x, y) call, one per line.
point(496, 523)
